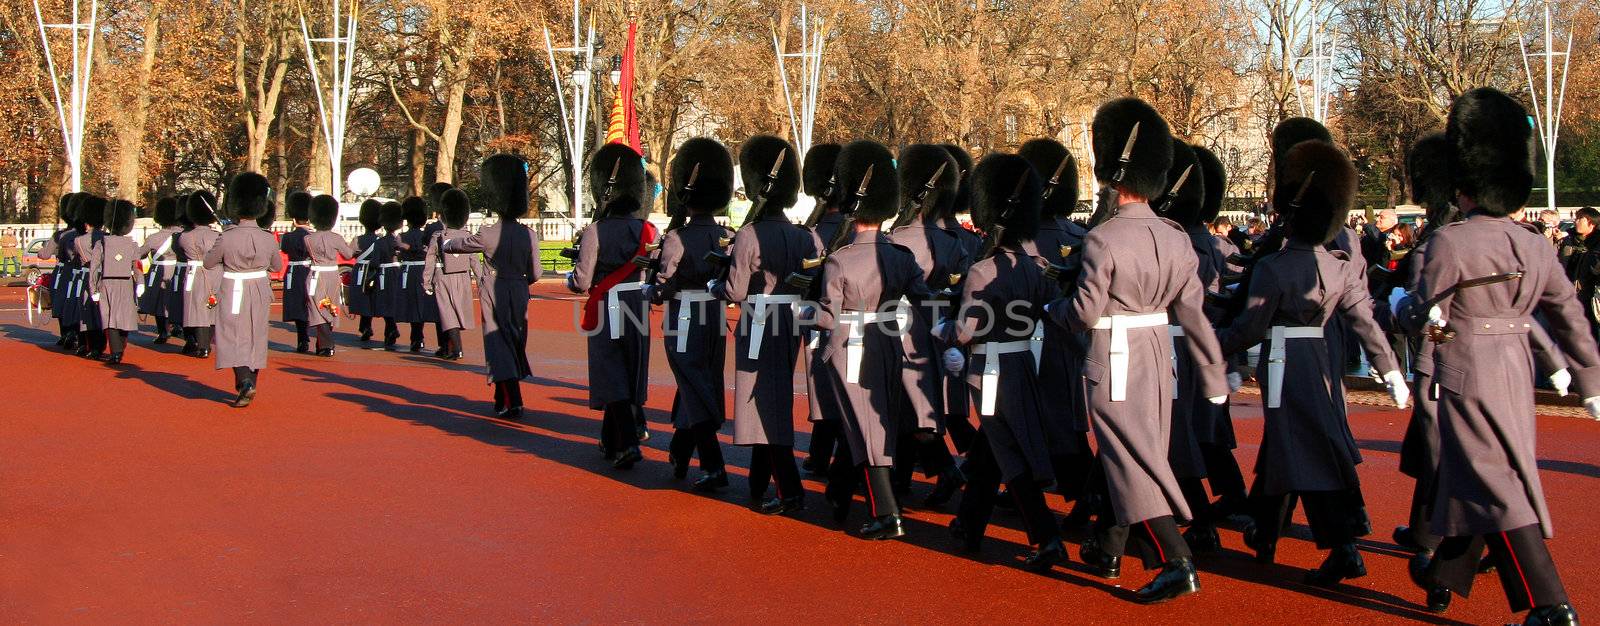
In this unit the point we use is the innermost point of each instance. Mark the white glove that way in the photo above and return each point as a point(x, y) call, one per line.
point(1396, 382)
point(1561, 380)
point(649, 293)
point(954, 361)
point(572, 282)
point(713, 285)
point(428, 291)
point(1218, 400)
point(138, 290)
point(1436, 317)
point(1396, 297)
point(806, 312)
point(1235, 381)
point(95, 296)
point(1592, 405)
point(940, 329)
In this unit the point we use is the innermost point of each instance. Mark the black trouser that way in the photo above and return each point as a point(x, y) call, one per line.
point(439, 335)
point(1421, 511)
point(200, 336)
point(1073, 472)
point(978, 498)
point(700, 438)
point(1222, 472)
point(776, 463)
point(824, 436)
point(117, 340)
point(161, 327)
point(618, 431)
point(1194, 494)
point(365, 325)
point(962, 432)
point(1521, 557)
point(507, 394)
point(451, 343)
point(843, 477)
point(391, 331)
point(1336, 517)
point(95, 340)
point(68, 331)
point(416, 333)
point(880, 491)
point(324, 333)
point(1155, 540)
point(301, 336)
point(243, 377)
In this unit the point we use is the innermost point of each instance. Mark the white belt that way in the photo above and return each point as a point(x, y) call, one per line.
point(405, 274)
point(758, 318)
point(311, 282)
point(854, 342)
point(150, 276)
point(688, 299)
point(1276, 344)
point(1174, 332)
point(77, 281)
point(383, 282)
point(238, 279)
point(188, 279)
point(288, 277)
point(991, 363)
point(614, 308)
point(1119, 325)
point(56, 276)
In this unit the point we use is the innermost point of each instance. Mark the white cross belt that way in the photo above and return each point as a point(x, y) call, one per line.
point(238, 279)
point(405, 274)
point(383, 280)
point(688, 300)
point(854, 343)
point(188, 277)
point(288, 277)
point(758, 318)
point(614, 308)
point(317, 270)
point(1118, 361)
point(990, 379)
point(1276, 349)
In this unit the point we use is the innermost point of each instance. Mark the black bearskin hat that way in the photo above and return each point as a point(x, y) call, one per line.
point(1325, 201)
point(454, 208)
point(1145, 173)
point(712, 168)
point(1047, 157)
point(166, 211)
point(67, 209)
point(1216, 183)
point(415, 210)
point(92, 210)
point(964, 189)
point(882, 198)
point(435, 192)
point(248, 194)
point(119, 217)
point(324, 212)
point(391, 216)
point(757, 156)
point(629, 192)
point(1493, 144)
point(917, 165)
point(1006, 192)
point(298, 206)
point(1290, 132)
point(269, 216)
point(201, 208)
point(371, 214)
point(818, 169)
point(1433, 184)
point(503, 178)
point(1186, 201)
point(181, 206)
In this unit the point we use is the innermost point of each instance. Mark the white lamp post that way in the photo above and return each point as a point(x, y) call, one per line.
point(574, 116)
point(810, 55)
point(333, 103)
point(1548, 118)
point(70, 113)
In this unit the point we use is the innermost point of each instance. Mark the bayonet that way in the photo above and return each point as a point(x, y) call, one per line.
point(1055, 179)
point(1127, 154)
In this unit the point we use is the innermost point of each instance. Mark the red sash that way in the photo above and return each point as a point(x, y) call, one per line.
point(591, 306)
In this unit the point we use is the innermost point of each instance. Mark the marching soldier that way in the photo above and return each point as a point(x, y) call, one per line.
point(324, 293)
point(162, 260)
point(91, 218)
point(864, 282)
point(114, 278)
point(448, 277)
point(929, 179)
point(1126, 290)
point(1000, 320)
point(200, 282)
point(510, 264)
point(431, 303)
point(766, 250)
point(415, 306)
point(1214, 423)
point(243, 258)
point(293, 243)
point(363, 300)
point(695, 339)
point(61, 277)
point(1487, 490)
point(175, 284)
point(615, 314)
point(957, 418)
point(817, 182)
point(389, 298)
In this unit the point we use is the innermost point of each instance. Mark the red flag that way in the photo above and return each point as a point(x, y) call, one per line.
point(630, 113)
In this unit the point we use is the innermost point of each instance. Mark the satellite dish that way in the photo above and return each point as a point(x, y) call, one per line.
point(362, 182)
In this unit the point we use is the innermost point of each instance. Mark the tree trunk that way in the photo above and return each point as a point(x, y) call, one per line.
point(419, 156)
point(445, 169)
point(319, 176)
point(130, 132)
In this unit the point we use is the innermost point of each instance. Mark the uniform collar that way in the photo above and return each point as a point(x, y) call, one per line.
point(1135, 209)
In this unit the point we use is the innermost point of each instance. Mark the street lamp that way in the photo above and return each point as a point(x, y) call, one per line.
point(574, 114)
point(70, 113)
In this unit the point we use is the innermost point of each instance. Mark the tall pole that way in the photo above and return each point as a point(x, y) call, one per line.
point(333, 102)
point(71, 113)
point(574, 115)
point(1547, 119)
point(803, 120)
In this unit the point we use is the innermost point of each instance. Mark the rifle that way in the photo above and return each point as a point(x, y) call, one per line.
point(918, 205)
point(846, 230)
point(820, 208)
point(652, 264)
point(720, 257)
point(571, 253)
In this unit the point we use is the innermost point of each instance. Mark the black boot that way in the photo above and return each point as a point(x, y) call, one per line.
point(1553, 615)
point(247, 394)
point(1177, 578)
point(1046, 557)
point(711, 482)
point(1104, 565)
point(625, 459)
point(780, 506)
point(1438, 595)
point(886, 527)
point(114, 359)
point(1343, 562)
point(1266, 552)
point(950, 482)
point(1202, 539)
point(970, 541)
point(1406, 540)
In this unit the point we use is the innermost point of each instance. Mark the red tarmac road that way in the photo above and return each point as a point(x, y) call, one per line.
point(371, 488)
